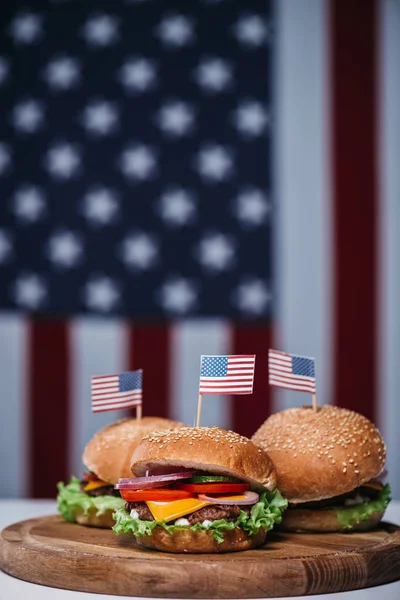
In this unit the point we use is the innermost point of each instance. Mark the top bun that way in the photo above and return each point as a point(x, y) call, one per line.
point(209, 449)
point(321, 454)
point(108, 454)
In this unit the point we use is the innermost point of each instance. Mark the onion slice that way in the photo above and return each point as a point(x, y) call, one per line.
point(232, 499)
point(142, 483)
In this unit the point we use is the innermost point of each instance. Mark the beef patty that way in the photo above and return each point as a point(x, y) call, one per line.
point(107, 490)
point(210, 513)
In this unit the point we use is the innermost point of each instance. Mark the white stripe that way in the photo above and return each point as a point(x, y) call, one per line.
point(228, 390)
point(241, 360)
point(228, 377)
point(280, 369)
point(95, 386)
point(303, 221)
point(389, 324)
point(122, 396)
point(98, 346)
point(13, 404)
point(104, 380)
point(294, 388)
point(272, 358)
point(105, 390)
point(239, 371)
point(299, 378)
point(115, 406)
point(189, 340)
point(299, 384)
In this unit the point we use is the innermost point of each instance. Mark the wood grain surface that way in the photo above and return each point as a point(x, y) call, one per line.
point(51, 552)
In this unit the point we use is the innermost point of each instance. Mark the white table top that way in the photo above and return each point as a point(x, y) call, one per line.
point(15, 589)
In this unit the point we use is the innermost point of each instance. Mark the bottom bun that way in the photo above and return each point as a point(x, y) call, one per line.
point(323, 520)
point(105, 520)
point(196, 542)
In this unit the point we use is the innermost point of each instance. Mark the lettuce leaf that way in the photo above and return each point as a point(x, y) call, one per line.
point(348, 516)
point(266, 513)
point(70, 498)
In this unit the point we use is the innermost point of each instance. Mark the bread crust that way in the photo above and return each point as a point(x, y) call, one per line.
point(321, 454)
point(208, 449)
point(109, 452)
point(104, 521)
point(200, 542)
point(323, 520)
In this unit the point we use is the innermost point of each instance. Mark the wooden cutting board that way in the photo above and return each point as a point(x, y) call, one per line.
point(51, 552)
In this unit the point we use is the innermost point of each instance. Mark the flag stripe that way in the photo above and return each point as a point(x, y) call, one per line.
point(248, 414)
point(190, 340)
point(49, 379)
point(355, 207)
point(149, 349)
point(389, 284)
point(102, 399)
point(13, 418)
point(117, 405)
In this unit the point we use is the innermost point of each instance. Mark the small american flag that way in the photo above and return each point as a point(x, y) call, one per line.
point(227, 374)
point(291, 371)
point(111, 392)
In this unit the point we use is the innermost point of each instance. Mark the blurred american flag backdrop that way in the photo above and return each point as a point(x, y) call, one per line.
point(185, 178)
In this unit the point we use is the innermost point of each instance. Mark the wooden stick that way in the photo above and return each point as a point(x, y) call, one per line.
point(139, 412)
point(199, 402)
point(314, 402)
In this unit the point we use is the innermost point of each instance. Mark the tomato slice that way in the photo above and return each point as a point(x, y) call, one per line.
point(213, 488)
point(89, 476)
point(156, 494)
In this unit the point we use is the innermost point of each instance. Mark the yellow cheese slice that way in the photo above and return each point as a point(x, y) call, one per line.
point(94, 485)
point(168, 511)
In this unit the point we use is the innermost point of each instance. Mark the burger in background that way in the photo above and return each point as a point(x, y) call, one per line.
point(330, 466)
point(199, 489)
point(93, 500)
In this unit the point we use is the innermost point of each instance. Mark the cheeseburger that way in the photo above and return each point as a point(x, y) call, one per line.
point(93, 499)
point(199, 489)
point(330, 467)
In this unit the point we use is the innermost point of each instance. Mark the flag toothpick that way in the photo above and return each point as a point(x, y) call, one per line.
point(199, 405)
point(117, 391)
point(293, 372)
point(225, 375)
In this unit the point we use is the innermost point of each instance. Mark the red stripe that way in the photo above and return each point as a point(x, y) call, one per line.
point(249, 413)
point(354, 43)
point(149, 349)
point(49, 398)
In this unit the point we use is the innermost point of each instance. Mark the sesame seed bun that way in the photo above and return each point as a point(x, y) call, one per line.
point(208, 449)
point(200, 542)
point(109, 452)
point(321, 454)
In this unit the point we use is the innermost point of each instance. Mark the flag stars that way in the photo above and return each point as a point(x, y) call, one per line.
point(4, 70)
point(251, 207)
point(178, 296)
point(62, 73)
point(216, 252)
point(6, 246)
point(101, 294)
point(101, 206)
point(214, 75)
point(214, 163)
point(252, 297)
point(176, 118)
point(5, 158)
point(63, 161)
point(30, 291)
point(100, 118)
point(176, 31)
point(28, 116)
point(177, 207)
point(251, 31)
point(139, 251)
point(101, 30)
point(65, 249)
point(138, 163)
point(250, 119)
point(29, 204)
point(138, 75)
point(26, 28)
